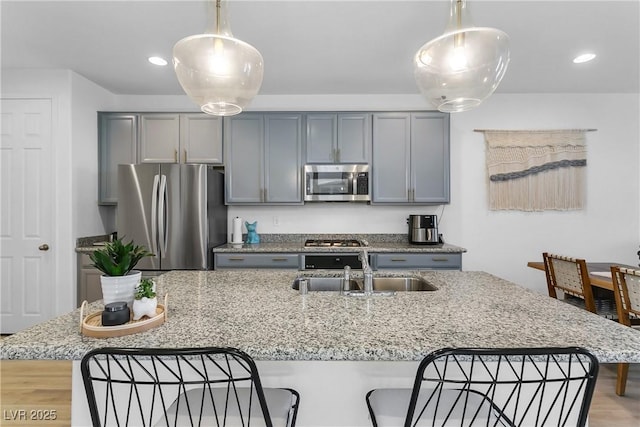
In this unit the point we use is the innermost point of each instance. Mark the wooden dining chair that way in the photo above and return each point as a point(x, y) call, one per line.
point(626, 288)
point(569, 275)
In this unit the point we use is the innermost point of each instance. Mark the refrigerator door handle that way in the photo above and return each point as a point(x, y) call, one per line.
point(154, 215)
point(163, 220)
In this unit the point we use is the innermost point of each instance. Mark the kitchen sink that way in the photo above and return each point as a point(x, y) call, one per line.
point(398, 284)
point(324, 284)
point(402, 284)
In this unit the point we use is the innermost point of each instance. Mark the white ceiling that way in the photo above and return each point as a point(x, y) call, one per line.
point(326, 46)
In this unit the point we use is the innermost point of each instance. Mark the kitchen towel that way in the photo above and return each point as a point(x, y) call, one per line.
point(237, 230)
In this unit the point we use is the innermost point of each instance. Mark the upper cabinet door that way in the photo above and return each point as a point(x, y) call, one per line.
point(283, 158)
point(322, 135)
point(411, 158)
point(354, 138)
point(117, 144)
point(430, 157)
point(338, 138)
point(391, 151)
point(200, 139)
point(243, 147)
point(159, 138)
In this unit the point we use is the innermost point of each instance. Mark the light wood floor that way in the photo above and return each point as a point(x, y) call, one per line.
point(46, 385)
point(611, 410)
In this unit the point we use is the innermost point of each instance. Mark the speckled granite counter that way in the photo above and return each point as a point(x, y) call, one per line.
point(292, 243)
point(374, 243)
point(373, 247)
point(258, 312)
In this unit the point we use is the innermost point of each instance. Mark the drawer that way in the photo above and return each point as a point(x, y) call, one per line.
point(430, 261)
point(244, 260)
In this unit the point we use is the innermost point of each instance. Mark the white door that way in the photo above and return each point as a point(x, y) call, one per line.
point(26, 222)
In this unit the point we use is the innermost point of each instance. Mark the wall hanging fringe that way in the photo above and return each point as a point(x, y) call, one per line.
point(536, 170)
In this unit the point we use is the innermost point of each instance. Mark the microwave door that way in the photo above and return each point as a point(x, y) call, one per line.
point(332, 183)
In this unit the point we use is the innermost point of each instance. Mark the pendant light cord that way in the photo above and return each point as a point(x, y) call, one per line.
point(218, 16)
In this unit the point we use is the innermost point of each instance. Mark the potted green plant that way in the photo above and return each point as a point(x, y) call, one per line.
point(145, 300)
point(117, 261)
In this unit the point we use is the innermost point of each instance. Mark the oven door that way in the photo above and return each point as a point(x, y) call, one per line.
point(331, 261)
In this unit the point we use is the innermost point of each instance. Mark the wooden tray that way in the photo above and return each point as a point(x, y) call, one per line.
point(91, 325)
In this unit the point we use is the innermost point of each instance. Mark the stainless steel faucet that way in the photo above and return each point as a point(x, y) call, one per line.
point(366, 272)
point(346, 279)
point(363, 256)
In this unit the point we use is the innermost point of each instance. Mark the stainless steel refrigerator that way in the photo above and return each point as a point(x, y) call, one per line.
point(177, 211)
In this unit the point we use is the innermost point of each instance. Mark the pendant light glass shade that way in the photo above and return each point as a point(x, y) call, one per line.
point(217, 71)
point(462, 67)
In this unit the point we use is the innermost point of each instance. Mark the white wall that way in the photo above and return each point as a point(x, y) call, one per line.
point(87, 99)
point(607, 230)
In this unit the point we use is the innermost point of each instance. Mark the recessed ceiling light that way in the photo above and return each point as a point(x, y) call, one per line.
point(156, 60)
point(585, 57)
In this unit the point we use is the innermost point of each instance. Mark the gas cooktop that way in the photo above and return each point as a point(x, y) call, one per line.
point(333, 243)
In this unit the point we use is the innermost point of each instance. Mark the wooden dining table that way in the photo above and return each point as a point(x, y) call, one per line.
point(599, 272)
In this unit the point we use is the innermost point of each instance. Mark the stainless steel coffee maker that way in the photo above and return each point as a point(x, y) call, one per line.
point(423, 229)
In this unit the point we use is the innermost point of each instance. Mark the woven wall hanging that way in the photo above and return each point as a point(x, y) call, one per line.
point(536, 170)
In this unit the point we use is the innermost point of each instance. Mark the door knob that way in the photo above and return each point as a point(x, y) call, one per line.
point(44, 247)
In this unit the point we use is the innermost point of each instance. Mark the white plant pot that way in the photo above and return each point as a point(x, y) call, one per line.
point(120, 288)
point(144, 306)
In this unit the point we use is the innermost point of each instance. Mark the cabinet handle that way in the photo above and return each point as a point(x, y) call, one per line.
point(265, 195)
point(398, 259)
point(408, 195)
point(236, 258)
point(338, 155)
point(185, 155)
point(278, 259)
point(413, 194)
point(440, 259)
point(175, 156)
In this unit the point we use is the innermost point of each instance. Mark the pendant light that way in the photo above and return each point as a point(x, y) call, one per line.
point(217, 71)
point(462, 67)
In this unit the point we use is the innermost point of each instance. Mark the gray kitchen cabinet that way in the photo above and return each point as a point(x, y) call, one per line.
point(338, 138)
point(180, 138)
point(201, 138)
point(89, 288)
point(410, 158)
point(429, 261)
point(264, 260)
point(117, 142)
point(126, 138)
point(263, 159)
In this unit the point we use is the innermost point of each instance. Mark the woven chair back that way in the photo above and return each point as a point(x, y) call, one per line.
point(626, 283)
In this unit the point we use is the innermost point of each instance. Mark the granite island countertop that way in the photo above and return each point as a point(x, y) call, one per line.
point(258, 312)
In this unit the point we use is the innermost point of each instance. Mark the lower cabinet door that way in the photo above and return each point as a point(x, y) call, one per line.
point(90, 288)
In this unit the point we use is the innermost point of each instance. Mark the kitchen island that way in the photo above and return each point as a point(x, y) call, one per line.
point(333, 348)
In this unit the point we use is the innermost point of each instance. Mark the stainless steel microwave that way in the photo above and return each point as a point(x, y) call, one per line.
point(336, 183)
